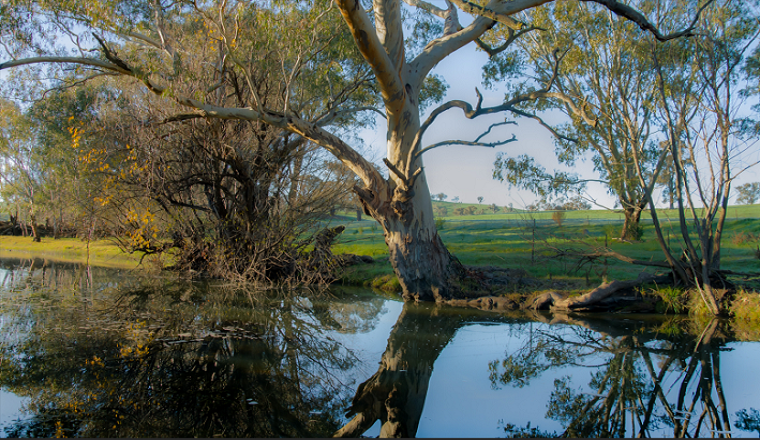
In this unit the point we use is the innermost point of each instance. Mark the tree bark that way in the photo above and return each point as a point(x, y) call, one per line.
point(33, 223)
point(632, 214)
point(424, 267)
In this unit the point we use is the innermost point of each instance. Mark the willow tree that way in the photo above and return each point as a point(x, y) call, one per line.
point(142, 41)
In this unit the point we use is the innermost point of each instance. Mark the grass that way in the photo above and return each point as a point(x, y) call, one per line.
point(102, 252)
point(510, 240)
point(503, 239)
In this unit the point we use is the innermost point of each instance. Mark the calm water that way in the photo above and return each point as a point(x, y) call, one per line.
point(101, 353)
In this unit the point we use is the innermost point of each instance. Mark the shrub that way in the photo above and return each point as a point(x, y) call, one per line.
point(743, 237)
point(745, 311)
point(440, 223)
point(610, 230)
point(746, 306)
point(440, 211)
point(558, 217)
point(387, 283)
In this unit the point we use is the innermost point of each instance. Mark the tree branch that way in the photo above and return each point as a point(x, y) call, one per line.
point(637, 17)
point(485, 11)
point(472, 143)
point(388, 27)
point(435, 10)
point(512, 36)
point(374, 53)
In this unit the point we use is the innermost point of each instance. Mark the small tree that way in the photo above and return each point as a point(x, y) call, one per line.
point(480, 199)
point(455, 199)
point(558, 217)
point(749, 193)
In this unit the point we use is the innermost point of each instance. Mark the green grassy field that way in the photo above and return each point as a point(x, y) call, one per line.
point(101, 252)
point(511, 240)
point(504, 239)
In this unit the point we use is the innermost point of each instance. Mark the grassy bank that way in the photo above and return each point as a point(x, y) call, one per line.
point(101, 252)
point(517, 240)
point(530, 241)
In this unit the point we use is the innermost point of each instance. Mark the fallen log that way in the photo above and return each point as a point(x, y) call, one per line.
point(604, 291)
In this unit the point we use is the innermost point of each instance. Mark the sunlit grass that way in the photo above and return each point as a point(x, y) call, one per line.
point(101, 252)
point(512, 241)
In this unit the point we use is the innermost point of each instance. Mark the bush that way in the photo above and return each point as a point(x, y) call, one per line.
point(386, 283)
point(610, 230)
point(440, 223)
point(440, 211)
point(746, 306)
point(558, 217)
point(743, 237)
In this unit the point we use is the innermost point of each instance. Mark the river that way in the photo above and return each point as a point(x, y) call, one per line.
point(95, 352)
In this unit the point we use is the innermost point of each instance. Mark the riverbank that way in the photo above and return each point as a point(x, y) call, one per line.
point(73, 250)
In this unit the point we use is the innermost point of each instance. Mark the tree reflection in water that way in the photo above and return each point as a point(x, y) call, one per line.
point(176, 359)
point(643, 384)
point(183, 359)
point(395, 394)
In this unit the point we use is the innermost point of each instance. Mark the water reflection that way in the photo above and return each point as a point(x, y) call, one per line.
point(395, 394)
point(642, 384)
point(102, 353)
point(177, 359)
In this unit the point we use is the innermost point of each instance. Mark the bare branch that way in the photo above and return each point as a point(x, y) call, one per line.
point(608, 253)
point(485, 133)
point(472, 143)
point(637, 17)
point(388, 28)
point(512, 36)
point(451, 22)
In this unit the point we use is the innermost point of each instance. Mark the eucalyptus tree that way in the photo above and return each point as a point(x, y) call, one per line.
point(22, 169)
point(607, 72)
point(298, 42)
point(66, 193)
point(703, 108)
point(749, 193)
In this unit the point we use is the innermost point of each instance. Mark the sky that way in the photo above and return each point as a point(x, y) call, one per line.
point(467, 171)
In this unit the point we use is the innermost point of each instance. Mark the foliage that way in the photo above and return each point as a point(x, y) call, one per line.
point(440, 210)
point(748, 193)
point(748, 420)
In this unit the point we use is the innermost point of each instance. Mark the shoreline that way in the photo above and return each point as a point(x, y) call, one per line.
point(69, 250)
